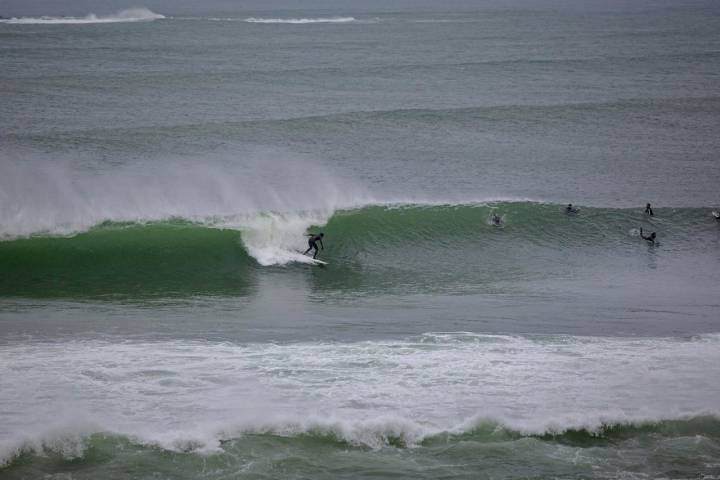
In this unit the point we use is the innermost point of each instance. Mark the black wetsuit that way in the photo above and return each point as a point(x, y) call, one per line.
point(313, 245)
point(649, 238)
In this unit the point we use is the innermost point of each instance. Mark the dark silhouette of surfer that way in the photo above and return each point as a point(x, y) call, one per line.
point(312, 242)
point(496, 219)
point(649, 238)
point(648, 210)
point(571, 209)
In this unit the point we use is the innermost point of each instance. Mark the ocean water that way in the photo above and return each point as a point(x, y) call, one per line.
point(161, 165)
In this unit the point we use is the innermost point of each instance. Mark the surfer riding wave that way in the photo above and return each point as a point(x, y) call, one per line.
point(312, 243)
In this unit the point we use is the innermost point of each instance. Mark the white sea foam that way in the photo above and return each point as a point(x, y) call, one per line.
point(128, 15)
point(298, 21)
point(270, 199)
point(189, 396)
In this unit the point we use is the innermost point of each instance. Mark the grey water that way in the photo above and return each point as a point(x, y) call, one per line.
point(160, 166)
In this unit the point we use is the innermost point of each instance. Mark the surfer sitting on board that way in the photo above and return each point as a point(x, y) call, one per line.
point(648, 210)
point(649, 238)
point(312, 243)
point(571, 209)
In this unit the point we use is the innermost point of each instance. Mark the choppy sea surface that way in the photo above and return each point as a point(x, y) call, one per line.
point(159, 171)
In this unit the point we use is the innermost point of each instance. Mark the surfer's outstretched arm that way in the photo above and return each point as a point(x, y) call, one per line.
point(321, 244)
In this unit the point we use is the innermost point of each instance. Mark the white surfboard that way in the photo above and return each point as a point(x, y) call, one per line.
point(312, 260)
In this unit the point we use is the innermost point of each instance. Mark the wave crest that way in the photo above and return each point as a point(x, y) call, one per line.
point(129, 15)
point(300, 21)
point(73, 442)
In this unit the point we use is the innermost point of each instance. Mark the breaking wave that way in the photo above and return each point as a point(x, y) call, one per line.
point(298, 21)
point(438, 388)
point(203, 254)
point(73, 443)
point(202, 228)
point(128, 15)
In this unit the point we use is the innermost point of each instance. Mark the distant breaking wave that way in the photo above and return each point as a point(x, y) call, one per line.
point(129, 15)
point(301, 20)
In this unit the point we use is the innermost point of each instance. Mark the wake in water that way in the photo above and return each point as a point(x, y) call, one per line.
point(128, 15)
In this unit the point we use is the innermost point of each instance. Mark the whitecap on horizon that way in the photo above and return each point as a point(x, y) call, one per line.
point(129, 15)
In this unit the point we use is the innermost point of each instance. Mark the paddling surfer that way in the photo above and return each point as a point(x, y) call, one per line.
point(649, 238)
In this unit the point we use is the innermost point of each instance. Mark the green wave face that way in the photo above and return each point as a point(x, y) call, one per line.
point(133, 260)
point(411, 248)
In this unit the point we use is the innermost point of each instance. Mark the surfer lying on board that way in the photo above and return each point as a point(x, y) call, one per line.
point(312, 243)
point(649, 238)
